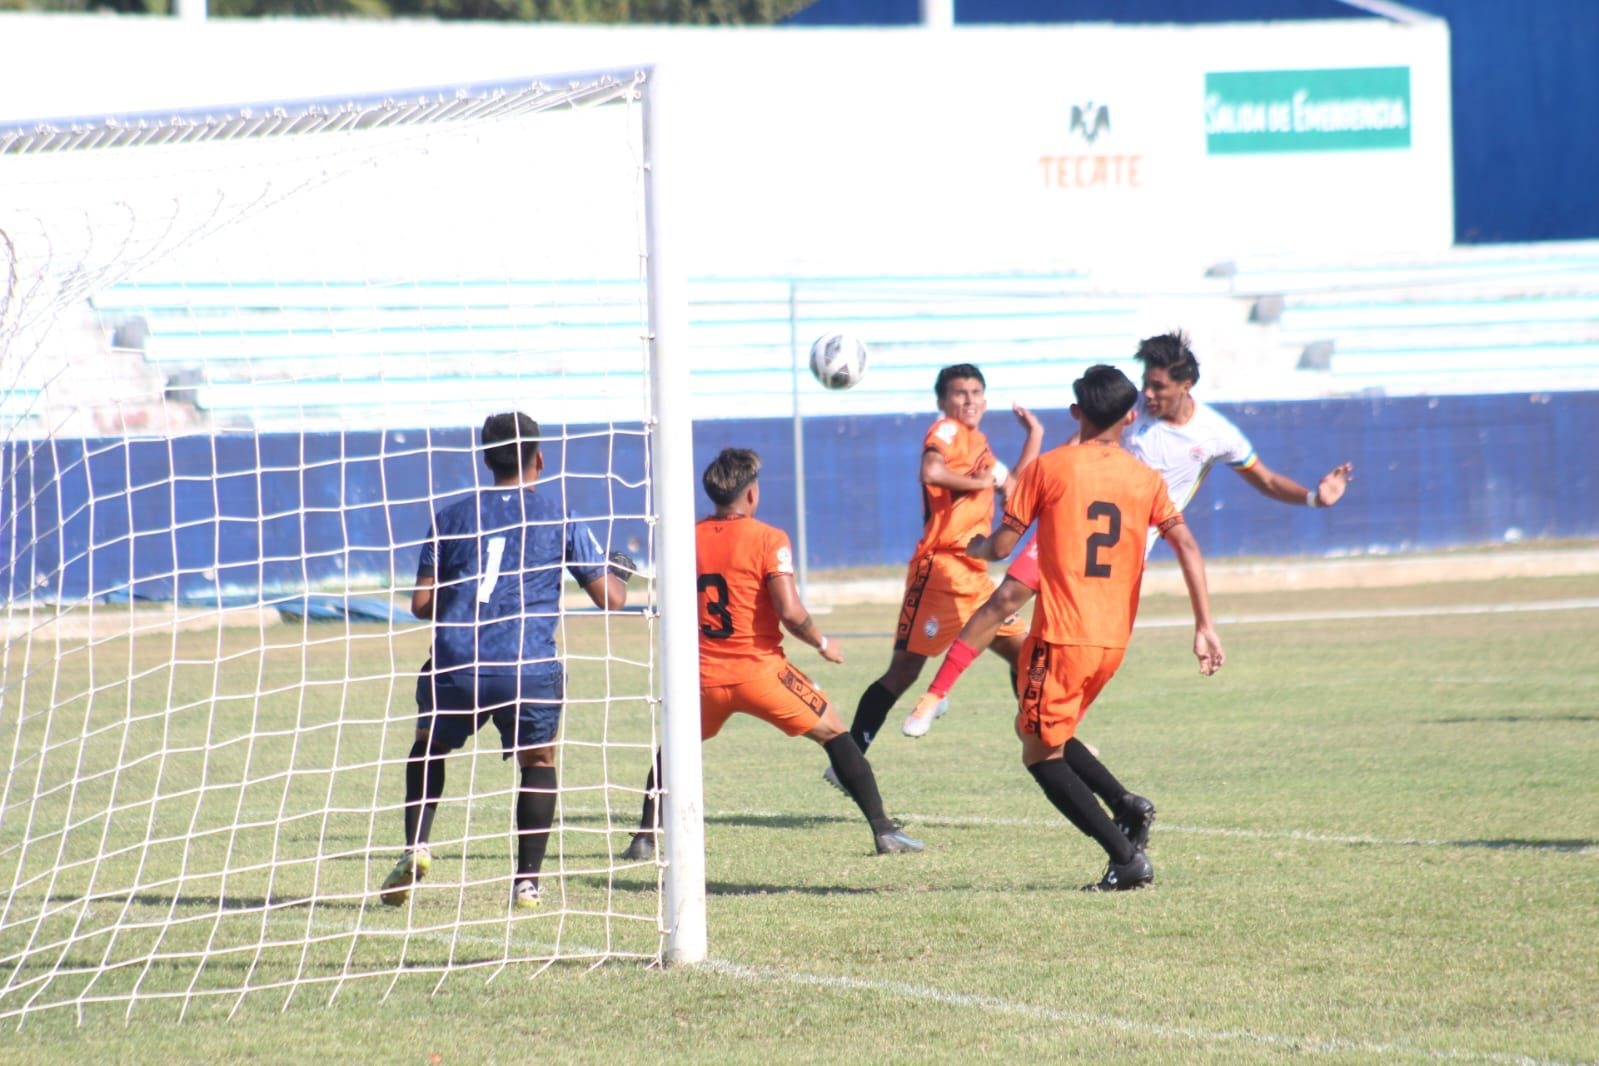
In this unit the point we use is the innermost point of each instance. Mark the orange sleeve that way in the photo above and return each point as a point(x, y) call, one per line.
point(776, 555)
point(1021, 507)
point(1164, 514)
point(945, 438)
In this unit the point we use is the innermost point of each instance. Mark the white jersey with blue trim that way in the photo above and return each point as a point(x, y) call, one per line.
point(1184, 454)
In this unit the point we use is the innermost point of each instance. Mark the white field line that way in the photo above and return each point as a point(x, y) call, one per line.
point(1193, 1034)
point(1363, 614)
point(1083, 1019)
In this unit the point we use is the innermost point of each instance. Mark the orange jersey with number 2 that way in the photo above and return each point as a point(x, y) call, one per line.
point(1094, 505)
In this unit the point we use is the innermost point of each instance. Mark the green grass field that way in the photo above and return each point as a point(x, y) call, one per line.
point(1378, 841)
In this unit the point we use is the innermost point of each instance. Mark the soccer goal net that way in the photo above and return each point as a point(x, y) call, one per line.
point(244, 356)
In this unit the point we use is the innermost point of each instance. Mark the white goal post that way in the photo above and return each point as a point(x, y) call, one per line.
point(244, 353)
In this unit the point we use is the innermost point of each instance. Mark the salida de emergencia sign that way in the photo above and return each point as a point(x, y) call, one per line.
point(1307, 110)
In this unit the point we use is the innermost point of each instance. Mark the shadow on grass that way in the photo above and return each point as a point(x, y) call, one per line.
point(1517, 718)
point(724, 888)
point(210, 903)
point(781, 821)
point(1515, 844)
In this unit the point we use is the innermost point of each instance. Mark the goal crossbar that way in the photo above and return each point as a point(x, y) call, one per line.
point(288, 118)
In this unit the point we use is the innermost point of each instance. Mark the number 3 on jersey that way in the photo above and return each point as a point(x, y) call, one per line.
point(1104, 538)
point(713, 587)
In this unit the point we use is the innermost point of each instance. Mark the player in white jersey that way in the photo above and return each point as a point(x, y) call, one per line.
point(1182, 438)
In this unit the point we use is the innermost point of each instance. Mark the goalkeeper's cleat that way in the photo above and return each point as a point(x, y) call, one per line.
point(1124, 877)
point(525, 894)
point(830, 775)
point(412, 867)
point(896, 841)
point(929, 708)
point(1134, 816)
point(641, 848)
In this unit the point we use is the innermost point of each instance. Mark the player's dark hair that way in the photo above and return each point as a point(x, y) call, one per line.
point(1170, 352)
point(729, 474)
point(510, 443)
point(955, 373)
point(1104, 395)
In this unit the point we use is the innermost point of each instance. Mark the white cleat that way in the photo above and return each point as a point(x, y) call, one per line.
point(928, 709)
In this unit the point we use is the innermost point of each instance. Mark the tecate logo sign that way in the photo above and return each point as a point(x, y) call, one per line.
point(1359, 109)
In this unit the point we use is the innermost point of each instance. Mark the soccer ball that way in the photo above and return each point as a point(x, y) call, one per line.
point(838, 360)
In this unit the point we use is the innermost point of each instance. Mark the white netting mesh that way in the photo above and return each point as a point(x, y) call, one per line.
point(242, 359)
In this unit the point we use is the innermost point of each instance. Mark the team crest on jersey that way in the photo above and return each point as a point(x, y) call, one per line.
point(930, 630)
point(1197, 453)
point(785, 560)
point(946, 430)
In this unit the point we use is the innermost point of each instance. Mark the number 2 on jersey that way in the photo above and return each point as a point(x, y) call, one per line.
point(1105, 538)
point(716, 606)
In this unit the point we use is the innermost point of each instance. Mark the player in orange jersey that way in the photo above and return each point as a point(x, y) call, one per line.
point(747, 590)
point(959, 476)
point(1094, 505)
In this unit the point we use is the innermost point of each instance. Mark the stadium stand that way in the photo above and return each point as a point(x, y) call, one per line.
point(282, 355)
point(1480, 319)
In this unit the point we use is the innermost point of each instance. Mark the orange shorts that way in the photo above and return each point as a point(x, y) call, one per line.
point(776, 693)
point(943, 590)
point(1059, 683)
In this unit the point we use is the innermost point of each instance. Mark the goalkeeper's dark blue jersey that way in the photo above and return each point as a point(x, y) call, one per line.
point(496, 558)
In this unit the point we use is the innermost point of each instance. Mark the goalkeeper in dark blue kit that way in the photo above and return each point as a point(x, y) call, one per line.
point(490, 579)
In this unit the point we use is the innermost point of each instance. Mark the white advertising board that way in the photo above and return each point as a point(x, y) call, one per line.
point(849, 151)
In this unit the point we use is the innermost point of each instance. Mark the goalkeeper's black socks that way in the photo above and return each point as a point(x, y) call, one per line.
point(535, 811)
point(1074, 799)
point(646, 818)
point(1094, 773)
point(870, 714)
point(855, 774)
point(424, 784)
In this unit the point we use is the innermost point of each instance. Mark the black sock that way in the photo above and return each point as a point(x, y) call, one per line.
point(424, 784)
point(1073, 799)
point(646, 818)
point(535, 811)
point(870, 714)
point(1094, 774)
point(855, 774)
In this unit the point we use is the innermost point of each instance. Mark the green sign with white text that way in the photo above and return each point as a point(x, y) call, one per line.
point(1307, 110)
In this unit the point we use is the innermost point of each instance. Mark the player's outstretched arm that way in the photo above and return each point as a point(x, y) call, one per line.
point(422, 598)
point(1207, 645)
point(1005, 480)
point(993, 548)
point(608, 591)
point(937, 473)
point(796, 618)
point(1286, 490)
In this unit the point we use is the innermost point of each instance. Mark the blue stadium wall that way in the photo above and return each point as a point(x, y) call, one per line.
point(1525, 90)
point(193, 519)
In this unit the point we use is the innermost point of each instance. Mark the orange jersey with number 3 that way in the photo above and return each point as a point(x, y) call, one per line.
point(739, 628)
point(1094, 505)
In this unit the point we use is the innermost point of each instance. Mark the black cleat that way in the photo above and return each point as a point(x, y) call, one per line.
point(640, 849)
point(1124, 877)
point(1134, 816)
point(895, 841)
